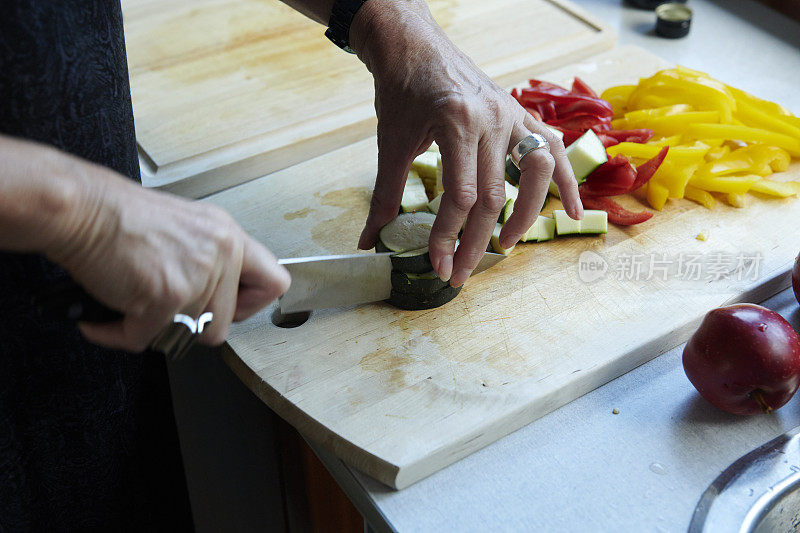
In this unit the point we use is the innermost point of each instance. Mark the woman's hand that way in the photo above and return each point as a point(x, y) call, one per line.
point(144, 253)
point(426, 89)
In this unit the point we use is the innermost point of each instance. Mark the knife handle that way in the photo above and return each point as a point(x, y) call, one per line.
point(69, 301)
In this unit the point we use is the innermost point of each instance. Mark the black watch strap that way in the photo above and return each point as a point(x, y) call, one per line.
point(342, 16)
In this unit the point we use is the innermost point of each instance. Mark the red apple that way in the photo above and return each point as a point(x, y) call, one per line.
point(796, 278)
point(745, 359)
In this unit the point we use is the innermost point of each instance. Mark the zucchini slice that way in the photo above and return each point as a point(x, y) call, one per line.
point(433, 205)
point(414, 196)
point(412, 262)
point(594, 221)
point(495, 242)
point(586, 154)
point(544, 229)
point(413, 302)
point(407, 231)
point(422, 285)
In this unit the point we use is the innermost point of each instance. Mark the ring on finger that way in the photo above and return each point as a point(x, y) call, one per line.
point(532, 142)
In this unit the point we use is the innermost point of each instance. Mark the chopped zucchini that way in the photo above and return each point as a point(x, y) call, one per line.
point(423, 285)
point(413, 302)
point(433, 205)
point(544, 229)
point(412, 261)
point(586, 154)
point(594, 221)
point(407, 231)
point(505, 214)
point(425, 165)
point(512, 192)
point(439, 188)
point(414, 196)
point(496, 241)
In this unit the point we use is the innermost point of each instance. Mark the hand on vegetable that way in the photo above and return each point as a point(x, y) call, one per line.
point(427, 90)
point(144, 253)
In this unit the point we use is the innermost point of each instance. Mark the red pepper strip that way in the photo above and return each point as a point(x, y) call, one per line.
point(646, 170)
point(615, 176)
point(616, 213)
point(580, 87)
point(566, 102)
point(581, 122)
point(570, 136)
point(633, 136)
point(607, 140)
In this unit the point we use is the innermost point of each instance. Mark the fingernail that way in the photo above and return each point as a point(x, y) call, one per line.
point(460, 277)
point(445, 269)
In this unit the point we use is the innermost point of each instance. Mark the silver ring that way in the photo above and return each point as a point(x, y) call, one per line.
point(532, 142)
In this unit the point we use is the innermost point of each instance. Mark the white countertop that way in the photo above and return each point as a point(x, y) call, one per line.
point(581, 467)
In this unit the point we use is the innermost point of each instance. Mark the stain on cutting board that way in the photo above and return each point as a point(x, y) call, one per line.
point(340, 233)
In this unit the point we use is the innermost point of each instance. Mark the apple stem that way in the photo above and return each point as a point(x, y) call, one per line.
point(759, 398)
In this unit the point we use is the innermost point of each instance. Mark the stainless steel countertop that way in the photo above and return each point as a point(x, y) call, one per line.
point(582, 468)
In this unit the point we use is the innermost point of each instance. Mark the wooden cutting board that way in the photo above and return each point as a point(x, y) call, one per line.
point(399, 395)
point(225, 91)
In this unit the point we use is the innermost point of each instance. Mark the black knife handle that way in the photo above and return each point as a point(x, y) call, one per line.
point(69, 301)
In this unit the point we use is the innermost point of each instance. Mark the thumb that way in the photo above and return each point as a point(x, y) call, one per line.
point(394, 160)
point(261, 281)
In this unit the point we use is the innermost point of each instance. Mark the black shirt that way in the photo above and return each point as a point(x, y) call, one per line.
point(87, 435)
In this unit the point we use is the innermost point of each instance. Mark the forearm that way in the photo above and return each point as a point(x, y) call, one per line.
point(45, 196)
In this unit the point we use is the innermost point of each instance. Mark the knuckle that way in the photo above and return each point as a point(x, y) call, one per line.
point(464, 198)
point(539, 160)
point(493, 199)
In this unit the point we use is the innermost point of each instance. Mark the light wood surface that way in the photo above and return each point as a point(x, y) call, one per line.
point(399, 395)
point(225, 91)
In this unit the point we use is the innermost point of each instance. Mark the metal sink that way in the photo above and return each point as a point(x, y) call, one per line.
point(759, 493)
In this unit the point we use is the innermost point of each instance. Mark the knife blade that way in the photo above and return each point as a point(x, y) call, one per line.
point(343, 280)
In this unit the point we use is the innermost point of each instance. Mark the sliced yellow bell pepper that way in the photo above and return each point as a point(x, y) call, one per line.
point(673, 124)
point(648, 151)
point(743, 133)
point(646, 114)
point(755, 159)
point(666, 141)
point(717, 152)
point(656, 195)
point(764, 105)
point(782, 189)
point(700, 196)
point(750, 115)
point(726, 184)
point(618, 97)
point(737, 200)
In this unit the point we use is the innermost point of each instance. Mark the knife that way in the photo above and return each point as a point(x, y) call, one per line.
point(343, 280)
point(319, 282)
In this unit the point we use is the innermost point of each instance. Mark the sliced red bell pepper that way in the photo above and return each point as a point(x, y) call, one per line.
point(580, 87)
point(616, 213)
point(634, 136)
point(580, 122)
point(646, 170)
point(615, 176)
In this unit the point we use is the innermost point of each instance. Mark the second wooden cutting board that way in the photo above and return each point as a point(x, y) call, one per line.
point(400, 394)
point(229, 90)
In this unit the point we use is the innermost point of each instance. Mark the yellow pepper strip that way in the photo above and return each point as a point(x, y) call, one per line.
point(656, 195)
point(666, 141)
point(675, 177)
point(766, 106)
point(726, 184)
point(737, 200)
point(674, 124)
point(755, 159)
point(618, 97)
point(648, 151)
point(646, 114)
point(782, 189)
point(700, 196)
point(717, 152)
point(744, 133)
point(752, 116)
point(679, 92)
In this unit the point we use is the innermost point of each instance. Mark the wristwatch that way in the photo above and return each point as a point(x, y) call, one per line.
point(342, 16)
